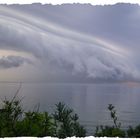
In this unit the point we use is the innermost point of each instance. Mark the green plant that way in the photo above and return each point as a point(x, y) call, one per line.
point(110, 131)
point(66, 122)
point(10, 114)
point(113, 115)
point(134, 132)
point(36, 124)
point(14, 121)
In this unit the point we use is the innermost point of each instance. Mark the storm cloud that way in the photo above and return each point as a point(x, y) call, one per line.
point(73, 40)
point(12, 61)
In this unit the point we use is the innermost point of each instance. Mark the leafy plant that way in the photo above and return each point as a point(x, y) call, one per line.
point(110, 131)
point(14, 121)
point(112, 110)
point(66, 122)
point(134, 132)
point(10, 114)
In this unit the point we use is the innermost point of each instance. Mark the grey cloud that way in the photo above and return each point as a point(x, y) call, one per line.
point(7, 62)
point(14, 36)
point(69, 39)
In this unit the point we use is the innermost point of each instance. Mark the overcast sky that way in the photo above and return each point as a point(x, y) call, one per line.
point(69, 43)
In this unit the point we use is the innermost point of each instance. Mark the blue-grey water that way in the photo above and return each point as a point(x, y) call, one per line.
point(89, 101)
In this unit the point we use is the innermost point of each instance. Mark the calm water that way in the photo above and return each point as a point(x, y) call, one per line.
point(89, 101)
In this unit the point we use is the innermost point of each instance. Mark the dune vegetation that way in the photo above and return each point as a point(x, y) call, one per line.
point(16, 122)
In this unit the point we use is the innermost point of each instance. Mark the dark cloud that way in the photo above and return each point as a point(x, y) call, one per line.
point(12, 61)
point(97, 42)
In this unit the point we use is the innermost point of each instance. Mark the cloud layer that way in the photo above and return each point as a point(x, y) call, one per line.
point(46, 34)
point(12, 61)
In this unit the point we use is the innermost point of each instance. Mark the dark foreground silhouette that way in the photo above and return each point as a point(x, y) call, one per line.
point(15, 122)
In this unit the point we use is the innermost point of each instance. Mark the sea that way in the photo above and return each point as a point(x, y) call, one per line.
point(89, 101)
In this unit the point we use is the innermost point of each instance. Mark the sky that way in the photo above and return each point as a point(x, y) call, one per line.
point(69, 43)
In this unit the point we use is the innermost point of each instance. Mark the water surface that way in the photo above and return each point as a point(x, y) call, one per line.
point(89, 101)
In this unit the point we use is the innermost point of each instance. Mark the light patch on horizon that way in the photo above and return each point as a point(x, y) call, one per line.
point(15, 53)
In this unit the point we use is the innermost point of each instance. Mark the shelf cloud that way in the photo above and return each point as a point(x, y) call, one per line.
point(69, 42)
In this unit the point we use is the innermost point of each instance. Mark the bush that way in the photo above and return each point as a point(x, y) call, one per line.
point(14, 121)
point(10, 114)
point(66, 122)
point(110, 131)
point(134, 132)
point(36, 124)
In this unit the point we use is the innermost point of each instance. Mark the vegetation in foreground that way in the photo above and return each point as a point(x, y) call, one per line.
point(15, 122)
point(115, 130)
point(111, 131)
